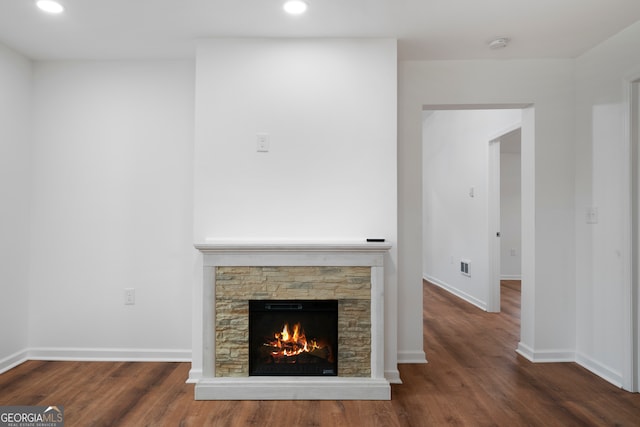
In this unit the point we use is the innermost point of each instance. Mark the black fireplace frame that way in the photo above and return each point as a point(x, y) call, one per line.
point(293, 309)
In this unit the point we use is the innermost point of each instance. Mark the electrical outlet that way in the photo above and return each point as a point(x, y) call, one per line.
point(129, 296)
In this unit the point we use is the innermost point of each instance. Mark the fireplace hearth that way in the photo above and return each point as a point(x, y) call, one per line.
point(293, 337)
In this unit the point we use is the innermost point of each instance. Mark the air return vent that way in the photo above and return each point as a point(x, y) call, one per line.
point(464, 267)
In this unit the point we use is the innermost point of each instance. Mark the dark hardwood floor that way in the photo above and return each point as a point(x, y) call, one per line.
point(473, 378)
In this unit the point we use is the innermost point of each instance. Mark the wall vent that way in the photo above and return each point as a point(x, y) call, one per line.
point(464, 267)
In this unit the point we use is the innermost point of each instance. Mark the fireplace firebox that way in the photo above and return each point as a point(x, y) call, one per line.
point(293, 337)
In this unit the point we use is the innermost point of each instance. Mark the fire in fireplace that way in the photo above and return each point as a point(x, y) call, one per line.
point(293, 337)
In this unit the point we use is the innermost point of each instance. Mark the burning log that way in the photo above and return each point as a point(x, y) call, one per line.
point(322, 353)
point(288, 345)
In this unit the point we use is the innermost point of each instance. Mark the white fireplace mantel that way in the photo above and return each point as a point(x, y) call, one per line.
point(280, 253)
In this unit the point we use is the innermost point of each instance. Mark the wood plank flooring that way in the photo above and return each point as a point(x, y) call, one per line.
point(473, 378)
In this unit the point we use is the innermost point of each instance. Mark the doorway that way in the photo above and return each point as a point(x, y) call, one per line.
point(457, 230)
point(505, 212)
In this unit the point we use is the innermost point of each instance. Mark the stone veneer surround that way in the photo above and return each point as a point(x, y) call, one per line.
point(229, 386)
point(235, 286)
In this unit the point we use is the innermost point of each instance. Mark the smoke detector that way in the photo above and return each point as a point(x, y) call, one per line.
point(498, 43)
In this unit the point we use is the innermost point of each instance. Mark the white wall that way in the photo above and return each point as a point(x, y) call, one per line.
point(15, 152)
point(603, 255)
point(510, 207)
point(330, 108)
point(456, 225)
point(112, 209)
point(548, 313)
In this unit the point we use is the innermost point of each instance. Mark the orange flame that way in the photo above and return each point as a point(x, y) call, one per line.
point(292, 343)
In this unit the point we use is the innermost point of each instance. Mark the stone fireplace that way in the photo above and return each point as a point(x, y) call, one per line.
point(235, 274)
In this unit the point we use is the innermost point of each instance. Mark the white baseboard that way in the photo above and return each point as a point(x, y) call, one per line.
point(109, 354)
point(553, 356)
point(525, 351)
point(94, 355)
point(13, 360)
point(411, 357)
point(195, 375)
point(603, 371)
point(460, 294)
point(545, 356)
point(511, 277)
point(393, 376)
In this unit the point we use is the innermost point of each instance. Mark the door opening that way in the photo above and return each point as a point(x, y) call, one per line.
point(505, 212)
point(461, 212)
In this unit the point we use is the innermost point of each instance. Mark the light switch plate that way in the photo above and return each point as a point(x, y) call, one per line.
point(262, 141)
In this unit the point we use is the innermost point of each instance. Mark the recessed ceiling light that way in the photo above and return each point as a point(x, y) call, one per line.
point(295, 7)
point(50, 6)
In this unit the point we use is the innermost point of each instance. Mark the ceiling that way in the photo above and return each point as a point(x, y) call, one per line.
point(425, 29)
